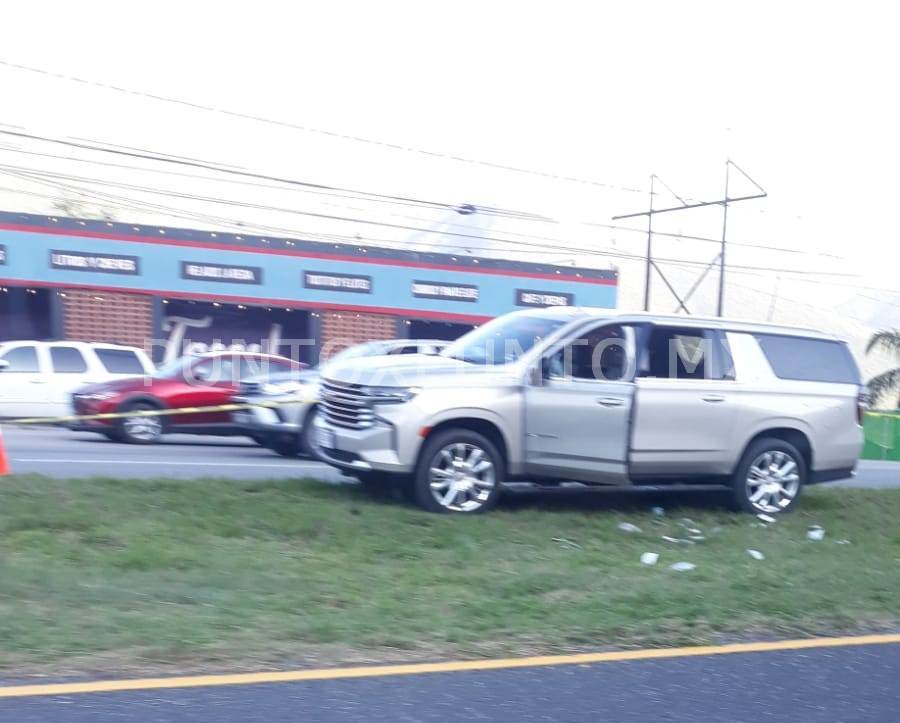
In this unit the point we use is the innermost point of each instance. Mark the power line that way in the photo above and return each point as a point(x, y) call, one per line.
point(259, 176)
point(320, 131)
point(29, 175)
point(414, 205)
point(365, 196)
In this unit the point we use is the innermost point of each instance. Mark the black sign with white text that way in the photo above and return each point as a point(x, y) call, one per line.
point(221, 272)
point(104, 264)
point(354, 283)
point(447, 292)
point(529, 297)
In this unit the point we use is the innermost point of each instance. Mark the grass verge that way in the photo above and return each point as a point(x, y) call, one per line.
point(140, 572)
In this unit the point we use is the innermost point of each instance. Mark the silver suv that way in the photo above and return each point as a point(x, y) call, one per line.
point(604, 398)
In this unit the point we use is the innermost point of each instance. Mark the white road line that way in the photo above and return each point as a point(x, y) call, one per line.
point(158, 463)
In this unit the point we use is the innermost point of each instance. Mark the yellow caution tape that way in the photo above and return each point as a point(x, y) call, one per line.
point(152, 412)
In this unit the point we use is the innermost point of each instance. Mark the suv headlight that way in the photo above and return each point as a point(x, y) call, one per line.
point(390, 395)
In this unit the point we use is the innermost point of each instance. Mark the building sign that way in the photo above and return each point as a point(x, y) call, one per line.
point(337, 282)
point(221, 272)
point(528, 297)
point(2, 255)
point(196, 327)
point(105, 264)
point(448, 292)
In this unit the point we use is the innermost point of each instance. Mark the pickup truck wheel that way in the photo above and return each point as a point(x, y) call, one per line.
point(140, 430)
point(458, 471)
point(769, 478)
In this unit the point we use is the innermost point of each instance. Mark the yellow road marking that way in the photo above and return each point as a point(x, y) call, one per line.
point(290, 676)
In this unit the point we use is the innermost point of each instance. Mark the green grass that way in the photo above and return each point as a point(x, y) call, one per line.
point(146, 571)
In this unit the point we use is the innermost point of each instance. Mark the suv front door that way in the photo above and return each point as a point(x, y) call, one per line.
point(578, 409)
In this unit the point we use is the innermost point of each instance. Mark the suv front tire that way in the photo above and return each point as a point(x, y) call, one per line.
point(458, 471)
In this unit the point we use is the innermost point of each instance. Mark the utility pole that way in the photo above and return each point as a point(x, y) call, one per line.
point(649, 262)
point(724, 203)
point(721, 305)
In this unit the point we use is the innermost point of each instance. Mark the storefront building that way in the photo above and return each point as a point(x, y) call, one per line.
point(171, 289)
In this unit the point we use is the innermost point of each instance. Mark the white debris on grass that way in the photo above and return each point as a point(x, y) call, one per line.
point(842, 542)
point(768, 519)
point(650, 558)
point(628, 527)
point(677, 540)
point(659, 512)
point(696, 538)
point(682, 566)
point(563, 542)
point(815, 533)
point(756, 554)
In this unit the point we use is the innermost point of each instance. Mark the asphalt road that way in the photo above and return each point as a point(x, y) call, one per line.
point(61, 453)
point(824, 684)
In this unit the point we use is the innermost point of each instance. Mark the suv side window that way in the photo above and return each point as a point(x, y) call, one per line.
point(686, 353)
point(812, 360)
point(22, 359)
point(597, 354)
point(67, 360)
point(120, 361)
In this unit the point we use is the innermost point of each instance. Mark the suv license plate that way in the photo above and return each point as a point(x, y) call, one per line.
point(325, 438)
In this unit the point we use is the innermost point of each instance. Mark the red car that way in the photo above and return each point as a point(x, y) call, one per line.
point(204, 380)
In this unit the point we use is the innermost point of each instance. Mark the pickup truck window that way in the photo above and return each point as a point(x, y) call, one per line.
point(502, 340)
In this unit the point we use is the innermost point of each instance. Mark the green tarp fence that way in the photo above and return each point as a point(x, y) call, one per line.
point(882, 436)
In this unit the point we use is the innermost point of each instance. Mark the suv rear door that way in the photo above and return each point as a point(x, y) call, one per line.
point(71, 366)
point(686, 406)
point(577, 414)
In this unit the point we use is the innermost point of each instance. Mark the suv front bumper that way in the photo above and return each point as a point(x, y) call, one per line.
point(373, 449)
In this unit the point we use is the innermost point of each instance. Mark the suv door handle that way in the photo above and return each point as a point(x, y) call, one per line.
point(610, 401)
point(713, 398)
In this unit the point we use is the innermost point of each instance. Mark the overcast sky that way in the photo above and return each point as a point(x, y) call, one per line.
point(801, 95)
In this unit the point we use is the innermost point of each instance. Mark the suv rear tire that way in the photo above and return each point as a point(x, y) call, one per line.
point(458, 471)
point(769, 478)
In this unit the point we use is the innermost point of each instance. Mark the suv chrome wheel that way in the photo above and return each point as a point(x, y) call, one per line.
point(773, 481)
point(461, 477)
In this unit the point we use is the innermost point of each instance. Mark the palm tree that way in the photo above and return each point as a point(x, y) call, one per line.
point(885, 382)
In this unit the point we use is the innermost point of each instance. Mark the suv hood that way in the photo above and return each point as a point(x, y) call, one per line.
point(418, 370)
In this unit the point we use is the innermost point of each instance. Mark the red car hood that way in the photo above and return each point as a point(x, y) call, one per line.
point(129, 384)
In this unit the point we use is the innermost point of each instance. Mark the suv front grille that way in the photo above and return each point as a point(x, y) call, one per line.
point(344, 405)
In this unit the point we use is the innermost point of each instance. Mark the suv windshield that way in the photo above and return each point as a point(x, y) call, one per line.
point(502, 340)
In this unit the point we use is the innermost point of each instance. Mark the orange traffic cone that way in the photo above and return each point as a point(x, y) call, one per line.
point(4, 461)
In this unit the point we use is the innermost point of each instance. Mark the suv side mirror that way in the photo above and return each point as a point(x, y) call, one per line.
point(4, 365)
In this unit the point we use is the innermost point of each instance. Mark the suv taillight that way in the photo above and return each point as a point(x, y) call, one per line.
point(862, 403)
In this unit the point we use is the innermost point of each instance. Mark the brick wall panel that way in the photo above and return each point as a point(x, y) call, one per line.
point(108, 317)
point(340, 330)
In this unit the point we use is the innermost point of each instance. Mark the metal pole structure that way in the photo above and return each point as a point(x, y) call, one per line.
point(721, 306)
point(649, 262)
point(725, 202)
